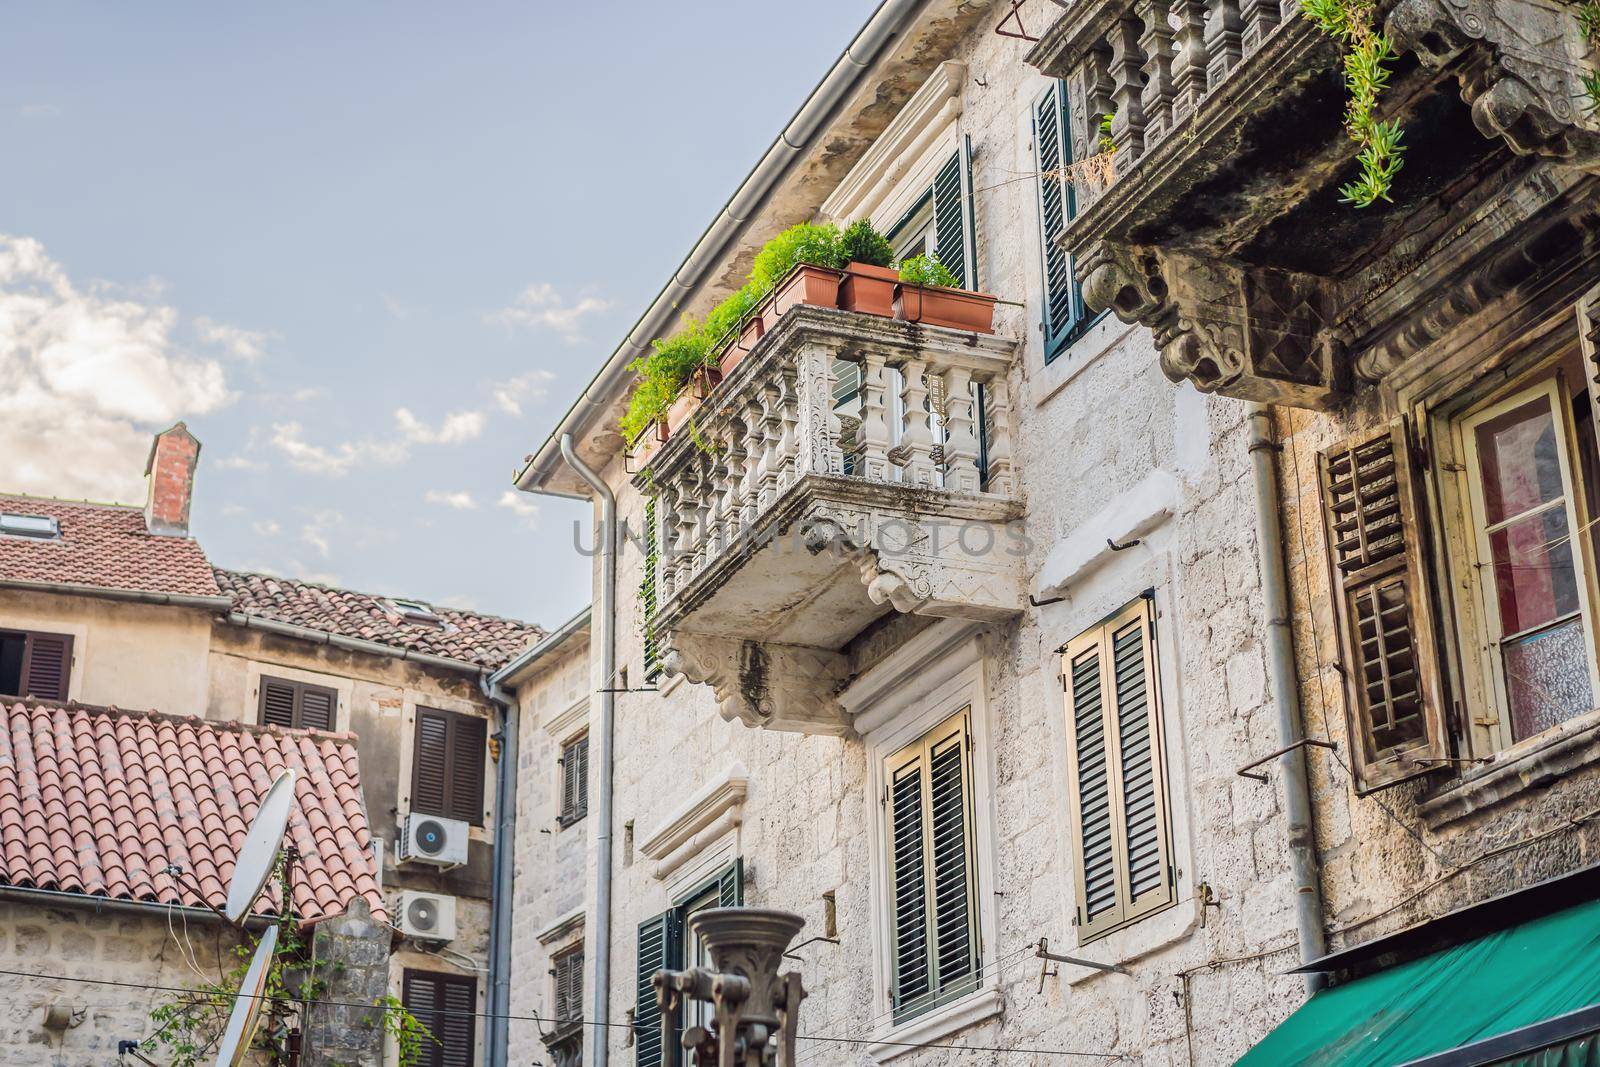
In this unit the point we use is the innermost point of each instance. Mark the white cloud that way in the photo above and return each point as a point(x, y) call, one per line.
point(461, 500)
point(239, 463)
point(539, 306)
point(456, 427)
point(509, 394)
point(266, 528)
point(316, 533)
point(86, 374)
point(241, 344)
point(38, 111)
point(520, 505)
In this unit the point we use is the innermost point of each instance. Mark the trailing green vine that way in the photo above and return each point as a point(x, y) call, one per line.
point(190, 1024)
point(1367, 59)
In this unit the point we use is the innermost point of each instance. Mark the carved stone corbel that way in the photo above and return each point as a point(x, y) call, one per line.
point(1257, 334)
point(777, 686)
point(1518, 65)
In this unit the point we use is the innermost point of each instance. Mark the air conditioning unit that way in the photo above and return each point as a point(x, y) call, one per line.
point(432, 840)
point(427, 916)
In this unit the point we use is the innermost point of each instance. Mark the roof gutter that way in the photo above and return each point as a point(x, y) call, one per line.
point(322, 637)
point(887, 22)
point(137, 596)
point(534, 653)
point(56, 898)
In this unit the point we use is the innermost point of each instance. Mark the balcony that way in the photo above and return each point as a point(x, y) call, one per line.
point(1220, 226)
point(849, 467)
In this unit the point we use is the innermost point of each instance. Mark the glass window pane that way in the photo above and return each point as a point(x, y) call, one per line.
point(1535, 581)
point(1547, 678)
point(1520, 459)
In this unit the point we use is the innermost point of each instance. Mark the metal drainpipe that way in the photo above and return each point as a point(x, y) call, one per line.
point(601, 940)
point(505, 845)
point(1286, 695)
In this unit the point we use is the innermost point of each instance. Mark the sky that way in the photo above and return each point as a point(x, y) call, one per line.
point(368, 252)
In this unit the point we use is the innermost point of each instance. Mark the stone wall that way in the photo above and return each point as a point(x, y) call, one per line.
point(352, 956)
point(78, 942)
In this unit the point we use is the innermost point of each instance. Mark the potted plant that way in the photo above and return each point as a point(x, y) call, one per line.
point(798, 266)
point(732, 329)
point(869, 273)
point(929, 293)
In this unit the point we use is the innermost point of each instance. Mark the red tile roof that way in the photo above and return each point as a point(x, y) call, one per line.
point(102, 545)
point(486, 640)
point(98, 801)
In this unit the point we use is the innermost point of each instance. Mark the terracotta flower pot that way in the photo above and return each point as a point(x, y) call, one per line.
point(956, 308)
point(806, 285)
point(868, 289)
point(647, 444)
point(754, 328)
point(682, 407)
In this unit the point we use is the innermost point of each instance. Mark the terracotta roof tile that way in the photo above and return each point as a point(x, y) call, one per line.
point(486, 640)
point(98, 801)
point(106, 546)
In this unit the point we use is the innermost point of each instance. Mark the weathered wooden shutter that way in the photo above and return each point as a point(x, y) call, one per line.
point(568, 971)
point(575, 780)
point(660, 939)
point(277, 702)
point(1064, 311)
point(730, 885)
point(953, 229)
point(317, 706)
point(1383, 609)
point(430, 769)
point(1122, 863)
point(446, 1004)
point(419, 992)
point(286, 703)
point(469, 746)
point(1588, 309)
point(647, 591)
point(932, 875)
point(47, 666)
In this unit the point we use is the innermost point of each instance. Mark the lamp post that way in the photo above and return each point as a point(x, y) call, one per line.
point(754, 1009)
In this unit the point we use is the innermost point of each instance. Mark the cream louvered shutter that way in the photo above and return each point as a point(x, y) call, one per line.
point(1384, 612)
point(1116, 762)
point(1588, 309)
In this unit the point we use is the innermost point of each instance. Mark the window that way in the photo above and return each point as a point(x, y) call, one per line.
point(445, 1004)
point(575, 780)
point(1116, 773)
point(447, 765)
point(932, 874)
point(297, 704)
point(34, 664)
point(1513, 460)
point(1065, 318)
point(416, 611)
point(662, 947)
point(566, 972)
point(940, 223)
point(647, 591)
point(43, 527)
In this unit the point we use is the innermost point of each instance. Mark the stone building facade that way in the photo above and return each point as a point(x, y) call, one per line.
point(797, 692)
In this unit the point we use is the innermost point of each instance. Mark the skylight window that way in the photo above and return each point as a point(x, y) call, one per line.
point(415, 611)
point(43, 527)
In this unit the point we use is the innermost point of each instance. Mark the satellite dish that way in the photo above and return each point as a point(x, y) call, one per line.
point(248, 1002)
point(260, 849)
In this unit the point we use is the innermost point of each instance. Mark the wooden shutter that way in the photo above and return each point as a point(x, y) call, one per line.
point(567, 969)
point(469, 747)
point(953, 232)
point(296, 704)
point(660, 941)
point(1588, 309)
point(1383, 609)
point(575, 780)
point(1064, 312)
point(1122, 861)
point(730, 885)
point(47, 666)
point(934, 932)
point(430, 768)
point(446, 1004)
point(647, 591)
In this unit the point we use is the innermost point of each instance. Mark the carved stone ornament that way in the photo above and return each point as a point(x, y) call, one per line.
point(781, 687)
point(1519, 64)
point(1254, 333)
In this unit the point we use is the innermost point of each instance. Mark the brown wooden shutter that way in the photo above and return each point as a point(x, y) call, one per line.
point(1383, 608)
point(446, 1005)
point(429, 762)
point(317, 707)
point(575, 780)
point(47, 666)
point(568, 970)
point(466, 768)
point(277, 702)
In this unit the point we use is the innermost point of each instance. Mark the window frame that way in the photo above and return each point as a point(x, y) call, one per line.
point(571, 959)
point(297, 713)
point(69, 644)
point(727, 880)
point(578, 789)
point(434, 1051)
point(454, 720)
point(1056, 340)
point(1101, 636)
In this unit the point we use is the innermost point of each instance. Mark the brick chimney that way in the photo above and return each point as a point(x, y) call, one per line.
point(170, 474)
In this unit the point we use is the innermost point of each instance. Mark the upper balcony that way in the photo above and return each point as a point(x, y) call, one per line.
point(1220, 223)
point(850, 466)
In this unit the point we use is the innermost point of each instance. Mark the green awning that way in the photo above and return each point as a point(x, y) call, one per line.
point(1513, 978)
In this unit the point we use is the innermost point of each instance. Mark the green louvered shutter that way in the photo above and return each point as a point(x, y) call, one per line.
point(932, 874)
point(647, 591)
point(1116, 767)
point(1064, 313)
point(659, 940)
point(953, 231)
point(730, 885)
